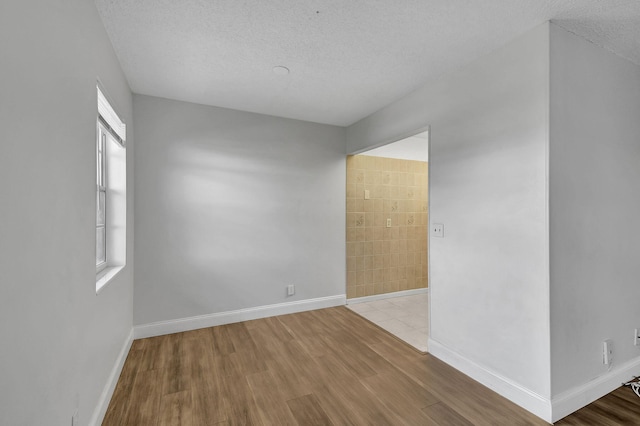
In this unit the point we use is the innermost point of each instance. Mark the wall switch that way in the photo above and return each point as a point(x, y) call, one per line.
point(291, 290)
point(389, 223)
point(636, 337)
point(437, 230)
point(607, 352)
point(367, 194)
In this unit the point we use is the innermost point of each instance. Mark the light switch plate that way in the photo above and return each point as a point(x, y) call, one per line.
point(437, 230)
point(366, 194)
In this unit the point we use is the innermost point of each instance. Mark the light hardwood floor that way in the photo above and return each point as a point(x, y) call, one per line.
point(620, 408)
point(325, 367)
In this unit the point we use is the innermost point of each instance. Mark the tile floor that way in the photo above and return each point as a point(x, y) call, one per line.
point(405, 317)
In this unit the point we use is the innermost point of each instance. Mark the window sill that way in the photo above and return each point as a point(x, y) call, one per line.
point(106, 275)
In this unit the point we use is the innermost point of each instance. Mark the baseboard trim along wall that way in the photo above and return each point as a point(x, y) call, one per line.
point(110, 386)
point(514, 392)
point(364, 299)
point(574, 399)
point(221, 318)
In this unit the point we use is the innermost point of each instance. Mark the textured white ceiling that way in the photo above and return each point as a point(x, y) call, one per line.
point(348, 58)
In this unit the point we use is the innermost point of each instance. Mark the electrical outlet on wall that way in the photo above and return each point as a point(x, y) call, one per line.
point(607, 352)
point(636, 337)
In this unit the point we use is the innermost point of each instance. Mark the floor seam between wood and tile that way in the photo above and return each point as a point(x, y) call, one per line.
point(412, 319)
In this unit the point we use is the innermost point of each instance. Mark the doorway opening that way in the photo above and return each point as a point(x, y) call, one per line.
point(387, 237)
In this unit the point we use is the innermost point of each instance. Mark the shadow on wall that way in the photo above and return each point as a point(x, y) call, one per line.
point(233, 208)
point(220, 198)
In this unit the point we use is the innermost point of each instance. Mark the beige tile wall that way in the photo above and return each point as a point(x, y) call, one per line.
point(383, 259)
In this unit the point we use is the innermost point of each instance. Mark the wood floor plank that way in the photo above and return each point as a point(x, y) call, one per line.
point(344, 398)
point(248, 356)
point(609, 410)
point(305, 333)
point(356, 365)
point(270, 400)
point(120, 401)
point(175, 372)
point(443, 415)
point(221, 341)
point(242, 408)
point(290, 371)
point(401, 395)
point(349, 346)
point(145, 408)
point(208, 404)
point(620, 407)
point(624, 400)
point(364, 331)
point(570, 421)
point(326, 321)
point(153, 355)
point(271, 338)
point(175, 409)
point(274, 328)
point(307, 411)
point(590, 417)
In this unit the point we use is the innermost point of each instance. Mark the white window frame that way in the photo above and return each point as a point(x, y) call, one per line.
point(111, 183)
point(101, 190)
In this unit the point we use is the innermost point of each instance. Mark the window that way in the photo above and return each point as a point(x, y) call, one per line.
point(101, 200)
point(111, 188)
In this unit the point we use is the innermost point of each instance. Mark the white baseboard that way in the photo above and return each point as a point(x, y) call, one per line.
point(574, 399)
point(110, 386)
point(402, 293)
point(514, 392)
point(221, 318)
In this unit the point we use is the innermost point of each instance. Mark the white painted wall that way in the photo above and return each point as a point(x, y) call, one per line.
point(594, 204)
point(414, 148)
point(233, 206)
point(59, 339)
point(489, 275)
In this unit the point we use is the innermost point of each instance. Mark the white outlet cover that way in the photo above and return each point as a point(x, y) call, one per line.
point(437, 230)
point(607, 352)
